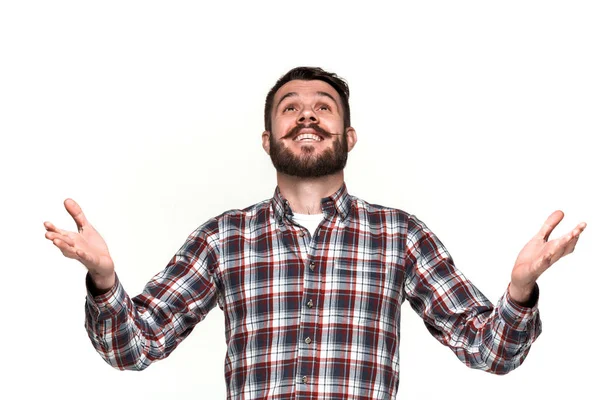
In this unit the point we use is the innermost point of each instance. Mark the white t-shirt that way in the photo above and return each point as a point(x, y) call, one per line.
point(309, 221)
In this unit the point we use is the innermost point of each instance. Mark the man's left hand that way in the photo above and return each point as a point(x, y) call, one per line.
point(538, 255)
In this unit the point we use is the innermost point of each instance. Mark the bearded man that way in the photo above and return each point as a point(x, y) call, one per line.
point(311, 281)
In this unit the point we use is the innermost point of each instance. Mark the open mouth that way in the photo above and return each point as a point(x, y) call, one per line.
point(308, 134)
point(307, 137)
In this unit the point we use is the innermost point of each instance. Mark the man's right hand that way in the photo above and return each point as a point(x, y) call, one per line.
point(86, 245)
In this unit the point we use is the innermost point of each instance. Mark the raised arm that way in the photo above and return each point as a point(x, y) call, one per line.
point(483, 336)
point(131, 333)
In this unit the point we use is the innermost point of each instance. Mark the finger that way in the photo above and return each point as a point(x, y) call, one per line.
point(574, 237)
point(570, 247)
point(76, 212)
point(564, 246)
point(51, 228)
point(53, 235)
point(566, 239)
point(573, 234)
point(579, 228)
point(70, 254)
point(551, 223)
point(67, 250)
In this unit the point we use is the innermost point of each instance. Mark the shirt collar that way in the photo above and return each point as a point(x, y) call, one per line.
point(339, 202)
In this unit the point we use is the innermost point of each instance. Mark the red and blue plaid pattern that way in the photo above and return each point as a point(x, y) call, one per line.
point(311, 317)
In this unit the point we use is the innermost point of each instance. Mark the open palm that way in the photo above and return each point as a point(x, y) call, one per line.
point(540, 253)
point(86, 245)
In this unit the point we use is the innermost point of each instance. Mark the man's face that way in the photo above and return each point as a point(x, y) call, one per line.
point(308, 138)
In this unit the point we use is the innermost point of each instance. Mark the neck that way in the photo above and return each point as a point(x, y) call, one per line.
point(305, 194)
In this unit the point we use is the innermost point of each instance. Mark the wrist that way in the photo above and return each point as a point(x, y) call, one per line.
point(103, 282)
point(523, 296)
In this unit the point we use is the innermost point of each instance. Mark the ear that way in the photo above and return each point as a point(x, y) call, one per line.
point(351, 137)
point(266, 144)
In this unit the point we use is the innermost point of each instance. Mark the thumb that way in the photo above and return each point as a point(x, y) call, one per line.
point(551, 223)
point(75, 211)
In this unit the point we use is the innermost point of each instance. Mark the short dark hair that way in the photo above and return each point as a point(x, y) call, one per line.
point(309, 74)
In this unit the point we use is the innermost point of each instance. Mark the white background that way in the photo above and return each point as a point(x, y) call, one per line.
point(478, 117)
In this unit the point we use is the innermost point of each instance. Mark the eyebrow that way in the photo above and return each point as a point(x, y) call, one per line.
point(292, 94)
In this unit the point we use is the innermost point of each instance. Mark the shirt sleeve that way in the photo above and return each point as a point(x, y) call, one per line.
point(132, 333)
point(483, 336)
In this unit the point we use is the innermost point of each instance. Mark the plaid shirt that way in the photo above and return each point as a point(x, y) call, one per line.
point(311, 317)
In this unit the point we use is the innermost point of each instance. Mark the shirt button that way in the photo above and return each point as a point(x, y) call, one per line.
point(309, 304)
point(304, 379)
point(308, 340)
point(312, 266)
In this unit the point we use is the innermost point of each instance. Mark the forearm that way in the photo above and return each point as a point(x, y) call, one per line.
point(110, 324)
point(132, 333)
point(125, 338)
point(496, 341)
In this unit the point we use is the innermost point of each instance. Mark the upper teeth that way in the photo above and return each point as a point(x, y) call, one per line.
point(308, 136)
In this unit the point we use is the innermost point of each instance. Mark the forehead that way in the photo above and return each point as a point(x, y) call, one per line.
point(306, 89)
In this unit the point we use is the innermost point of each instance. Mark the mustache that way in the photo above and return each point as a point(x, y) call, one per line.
point(296, 130)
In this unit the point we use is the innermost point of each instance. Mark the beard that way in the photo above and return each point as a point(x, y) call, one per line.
point(308, 164)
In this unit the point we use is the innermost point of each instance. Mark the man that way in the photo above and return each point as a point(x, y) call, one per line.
point(311, 281)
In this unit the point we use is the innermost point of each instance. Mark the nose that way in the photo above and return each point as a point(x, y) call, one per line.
point(307, 116)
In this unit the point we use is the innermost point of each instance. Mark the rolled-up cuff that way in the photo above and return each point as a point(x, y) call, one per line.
point(106, 305)
point(517, 316)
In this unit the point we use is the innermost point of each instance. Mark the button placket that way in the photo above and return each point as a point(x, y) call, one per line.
point(307, 347)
